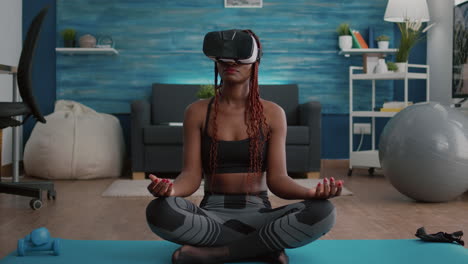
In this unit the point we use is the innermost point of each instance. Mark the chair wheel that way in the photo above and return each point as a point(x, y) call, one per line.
point(371, 171)
point(350, 172)
point(35, 204)
point(51, 195)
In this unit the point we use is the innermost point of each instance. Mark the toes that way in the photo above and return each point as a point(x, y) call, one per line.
point(278, 257)
point(283, 258)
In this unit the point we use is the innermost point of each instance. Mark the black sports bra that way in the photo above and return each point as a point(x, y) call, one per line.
point(233, 156)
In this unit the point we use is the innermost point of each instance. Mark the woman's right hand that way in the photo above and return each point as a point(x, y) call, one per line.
point(327, 189)
point(160, 187)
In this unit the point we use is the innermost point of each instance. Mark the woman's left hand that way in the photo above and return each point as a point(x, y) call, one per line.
point(327, 189)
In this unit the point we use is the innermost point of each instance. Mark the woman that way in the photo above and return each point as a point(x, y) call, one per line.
point(241, 139)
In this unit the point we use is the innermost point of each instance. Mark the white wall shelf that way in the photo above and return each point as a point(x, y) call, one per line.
point(88, 51)
point(349, 52)
point(372, 114)
point(389, 76)
point(368, 157)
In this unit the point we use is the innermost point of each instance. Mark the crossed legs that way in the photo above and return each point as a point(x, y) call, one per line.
point(235, 234)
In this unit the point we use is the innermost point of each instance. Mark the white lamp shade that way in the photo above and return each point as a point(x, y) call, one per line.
point(401, 10)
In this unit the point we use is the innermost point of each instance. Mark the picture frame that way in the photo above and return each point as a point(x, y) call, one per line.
point(370, 62)
point(243, 3)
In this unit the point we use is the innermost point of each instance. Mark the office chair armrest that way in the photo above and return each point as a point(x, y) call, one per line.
point(7, 69)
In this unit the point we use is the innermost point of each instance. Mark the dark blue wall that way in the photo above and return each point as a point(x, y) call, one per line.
point(299, 44)
point(335, 137)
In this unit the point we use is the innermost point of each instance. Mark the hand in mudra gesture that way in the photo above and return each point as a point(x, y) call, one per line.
point(160, 187)
point(327, 189)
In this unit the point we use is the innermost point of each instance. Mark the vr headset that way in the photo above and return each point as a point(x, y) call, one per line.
point(235, 46)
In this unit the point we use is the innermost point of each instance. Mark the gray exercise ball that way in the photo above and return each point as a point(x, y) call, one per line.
point(423, 151)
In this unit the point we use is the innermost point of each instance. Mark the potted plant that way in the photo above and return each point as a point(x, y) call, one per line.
point(206, 91)
point(345, 41)
point(391, 66)
point(383, 41)
point(68, 36)
point(411, 33)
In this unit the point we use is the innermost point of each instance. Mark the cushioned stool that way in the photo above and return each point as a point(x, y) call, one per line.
point(75, 143)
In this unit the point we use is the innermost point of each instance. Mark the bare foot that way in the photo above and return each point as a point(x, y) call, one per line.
point(203, 255)
point(282, 258)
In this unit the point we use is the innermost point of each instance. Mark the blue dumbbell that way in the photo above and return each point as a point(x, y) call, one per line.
point(39, 240)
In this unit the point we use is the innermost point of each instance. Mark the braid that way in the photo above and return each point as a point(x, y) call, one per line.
point(257, 128)
point(214, 137)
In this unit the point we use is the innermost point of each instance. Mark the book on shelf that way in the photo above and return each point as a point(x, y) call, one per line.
point(394, 106)
point(356, 44)
point(370, 37)
point(361, 40)
point(391, 109)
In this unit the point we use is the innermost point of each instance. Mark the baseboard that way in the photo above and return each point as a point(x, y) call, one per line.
point(335, 163)
point(138, 176)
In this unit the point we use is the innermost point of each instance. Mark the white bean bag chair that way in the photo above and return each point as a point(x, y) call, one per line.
point(75, 143)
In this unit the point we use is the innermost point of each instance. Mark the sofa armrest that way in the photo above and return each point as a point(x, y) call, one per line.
point(140, 117)
point(310, 114)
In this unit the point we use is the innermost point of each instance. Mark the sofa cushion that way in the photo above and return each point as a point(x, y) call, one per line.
point(286, 96)
point(169, 101)
point(297, 135)
point(163, 134)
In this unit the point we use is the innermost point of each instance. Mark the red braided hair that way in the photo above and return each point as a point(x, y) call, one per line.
point(257, 129)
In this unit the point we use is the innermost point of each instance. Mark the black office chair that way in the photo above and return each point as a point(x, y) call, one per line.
point(28, 107)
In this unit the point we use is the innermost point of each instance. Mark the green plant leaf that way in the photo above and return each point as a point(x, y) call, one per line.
point(206, 91)
point(411, 34)
point(68, 34)
point(343, 29)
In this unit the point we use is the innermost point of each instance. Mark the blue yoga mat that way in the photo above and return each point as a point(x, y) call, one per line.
point(322, 251)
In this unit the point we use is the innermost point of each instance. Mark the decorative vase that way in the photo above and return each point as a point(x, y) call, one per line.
point(87, 41)
point(383, 44)
point(345, 42)
point(402, 66)
point(381, 67)
point(105, 42)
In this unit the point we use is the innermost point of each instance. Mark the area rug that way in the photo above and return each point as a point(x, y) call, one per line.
point(137, 188)
point(321, 251)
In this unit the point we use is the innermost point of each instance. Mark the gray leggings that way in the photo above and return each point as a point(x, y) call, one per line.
point(245, 223)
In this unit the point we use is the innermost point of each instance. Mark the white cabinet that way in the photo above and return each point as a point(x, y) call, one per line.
point(370, 158)
point(349, 52)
